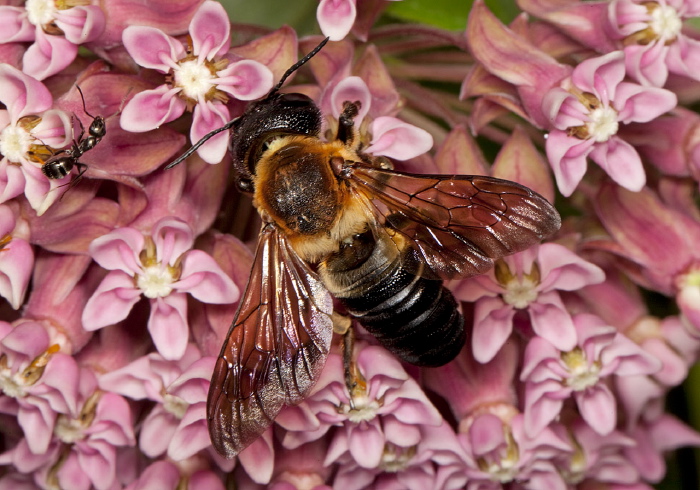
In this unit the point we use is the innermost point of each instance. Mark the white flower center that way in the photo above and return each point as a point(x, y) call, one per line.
point(503, 470)
point(363, 410)
point(175, 405)
point(68, 429)
point(665, 22)
point(582, 374)
point(15, 143)
point(194, 78)
point(520, 292)
point(41, 12)
point(602, 123)
point(12, 385)
point(155, 281)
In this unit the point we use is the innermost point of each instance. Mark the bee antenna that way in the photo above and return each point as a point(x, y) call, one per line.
point(296, 66)
point(83, 99)
point(199, 143)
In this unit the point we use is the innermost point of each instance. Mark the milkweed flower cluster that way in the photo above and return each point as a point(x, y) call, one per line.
point(118, 290)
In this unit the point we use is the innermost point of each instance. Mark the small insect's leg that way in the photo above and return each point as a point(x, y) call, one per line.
point(82, 168)
point(82, 132)
point(346, 122)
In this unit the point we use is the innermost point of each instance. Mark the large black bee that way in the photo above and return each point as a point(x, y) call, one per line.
point(338, 224)
point(61, 164)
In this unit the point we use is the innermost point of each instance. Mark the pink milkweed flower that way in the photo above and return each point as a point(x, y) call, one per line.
point(166, 475)
point(552, 375)
point(388, 136)
point(83, 452)
point(161, 267)
point(386, 407)
point(595, 457)
point(586, 112)
point(55, 30)
point(199, 78)
point(499, 452)
point(28, 126)
point(16, 258)
point(38, 381)
point(653, 38)
point(152, 378)
point(658, 241)
point(529, 282)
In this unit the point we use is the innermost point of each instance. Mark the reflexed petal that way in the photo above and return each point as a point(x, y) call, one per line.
point(210, 30)
point(366, 443)
point(172, 237)
point(48, 55)
point(111, 302)
point(192, 435)
point(55, 128)
point(336, 17)
point(493, 324)
point(552, 321)
point(203, 278)
point(245, 80)
point(208, 117)
point(598, 409)
point(647, 63)
point(168, 325)
point(152, 48)
point(543, 402)
point(119, 250)
point(636, 103)
point(149, 109)
point(394, 138)
point(621, 162)
point(562, 269)
point(14, 25)
point(16, 265)
point(157, 432)
point(567, 156)
point(81, 24)
point(21, 94)
point(601, 75)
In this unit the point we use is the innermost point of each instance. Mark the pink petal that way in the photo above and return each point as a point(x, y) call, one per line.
point(81, 24)
point(152, 48)
point(150, 109)
point(210, 30)
point(37, 421)
point(168, 325)
point(119, 250)
point(336, 17)
point(543, 403)
point(351, 89)
point(136, 380)
point(12, 181)
point(486, 434)
point(562, 269)
point(683, 56)
point(203, 278)
point(21, 94)
point(258, 459)
point(621, 162)
point(192, 435)
point(366, 444)
point(111, 302)
point(567, 156)
point(55, 128)
point(14, 25)
point(157, 432)
point(245, 80)
point(401, 434)
point(48, 55)
point(394, 138)
point(172, 237)
point(16, 265)
point(636, 103)
point(600, 75)
point(598, 409)
point(493, 324)
point(207, 117)
point(551, 321)
point(647, 63)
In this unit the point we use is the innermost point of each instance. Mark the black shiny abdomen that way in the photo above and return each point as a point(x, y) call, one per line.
point(413, 317)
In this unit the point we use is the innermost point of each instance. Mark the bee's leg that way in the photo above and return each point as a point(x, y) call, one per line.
point(352, 378)
point(346, 122)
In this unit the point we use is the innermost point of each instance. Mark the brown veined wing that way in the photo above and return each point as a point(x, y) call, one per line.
point(275, 349)
point(457, 224)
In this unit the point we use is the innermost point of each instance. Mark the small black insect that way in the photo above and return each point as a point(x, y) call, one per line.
point(61, 163)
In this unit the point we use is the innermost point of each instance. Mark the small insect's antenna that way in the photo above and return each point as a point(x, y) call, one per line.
point(199, 143)
point(296, 66)
point(83, 99)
